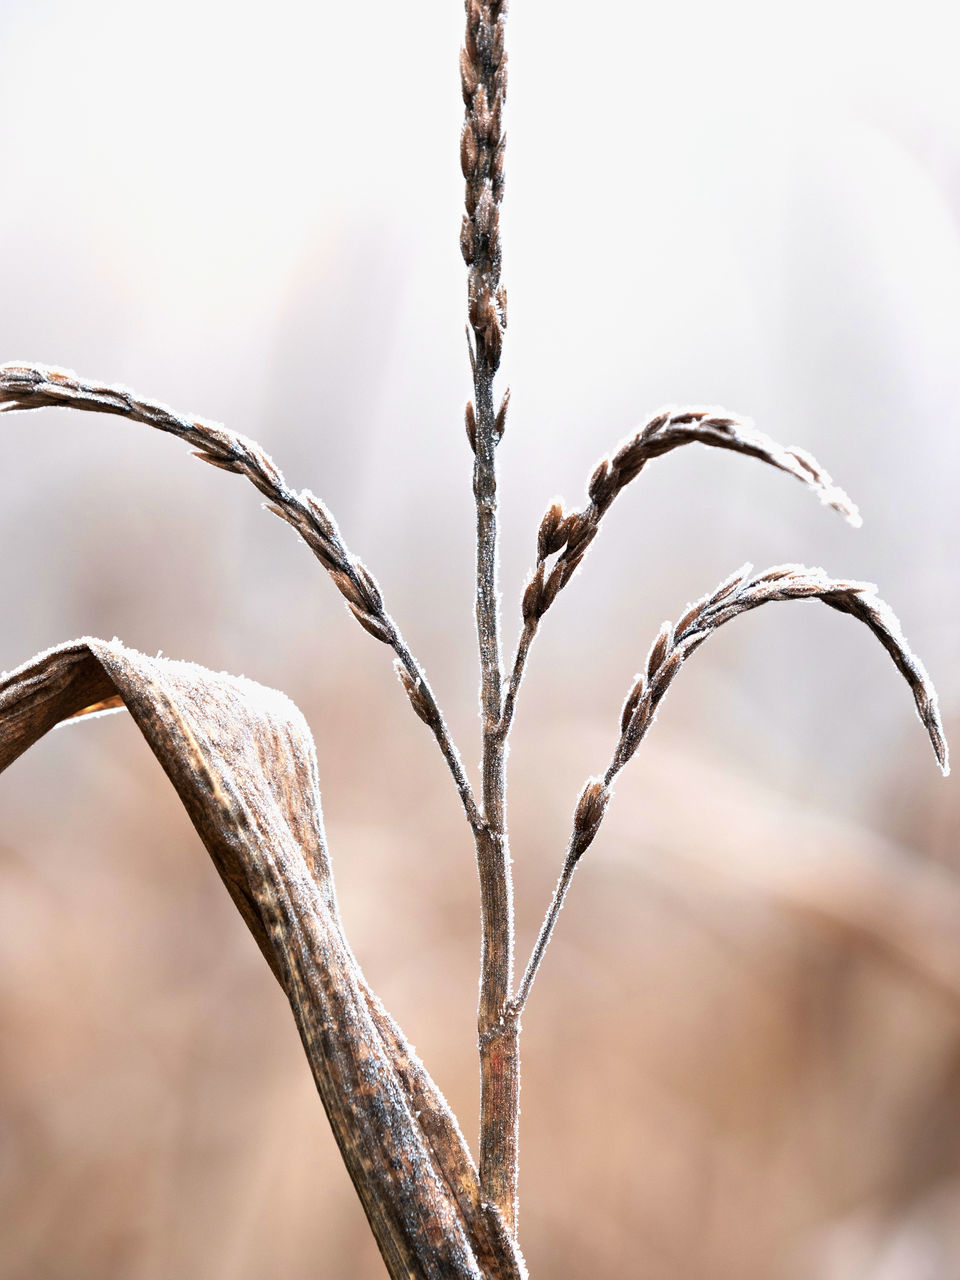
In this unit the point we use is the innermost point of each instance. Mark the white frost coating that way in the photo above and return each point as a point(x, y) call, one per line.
point(832, 496)
point(521, 1261)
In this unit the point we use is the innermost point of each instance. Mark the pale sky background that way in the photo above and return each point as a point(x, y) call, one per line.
point(252, 214)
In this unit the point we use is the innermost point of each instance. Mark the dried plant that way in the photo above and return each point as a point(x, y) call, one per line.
point(242, 760)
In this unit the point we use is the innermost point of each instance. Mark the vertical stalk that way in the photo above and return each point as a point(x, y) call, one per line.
point(498, 1031)
point(483, 69)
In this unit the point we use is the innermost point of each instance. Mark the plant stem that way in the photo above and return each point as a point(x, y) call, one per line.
point(516, 676)
point(498, 1033)
point(483, 72)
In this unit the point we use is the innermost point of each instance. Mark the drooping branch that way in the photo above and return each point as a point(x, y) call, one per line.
point(243, 763)
point(674, 644)
point(741, 593)
point(567, 535)
point(24, 386)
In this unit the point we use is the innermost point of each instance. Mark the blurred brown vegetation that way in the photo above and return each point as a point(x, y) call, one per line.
point(742, 1058)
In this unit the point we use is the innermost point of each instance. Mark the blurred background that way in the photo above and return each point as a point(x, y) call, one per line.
point(742, 1058)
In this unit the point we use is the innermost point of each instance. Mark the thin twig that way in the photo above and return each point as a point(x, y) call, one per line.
point(24, 386)
point(738, 594)
point(516, 677)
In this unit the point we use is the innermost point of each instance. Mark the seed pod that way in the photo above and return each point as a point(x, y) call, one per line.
point(496, 49)
point(599, 482)
point(533, 607)
point(494, 248)
point(659, 650)
point(414, 691)
point(373, 626)
point(547, 535)
point(468, 77)
point(484, 211)
point(348, 589)
point(493, 343)
point(580, 533)
point(629, 462)
point(466, 240)
point(481, 115)
point(225, 464)
point(470, 421)
point(496, 116)
point(632, 702)
point(321, 549)
point(589, 814)
point(688, 618)
point(551, 587)
point(496, 175)
point(501, 418)
point(371, 592)
point(468, 151)
point(319, 513)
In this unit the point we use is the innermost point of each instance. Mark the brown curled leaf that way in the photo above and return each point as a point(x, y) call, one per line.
point(243, 763)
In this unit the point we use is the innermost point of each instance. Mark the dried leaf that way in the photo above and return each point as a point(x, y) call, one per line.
point(242, 760)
